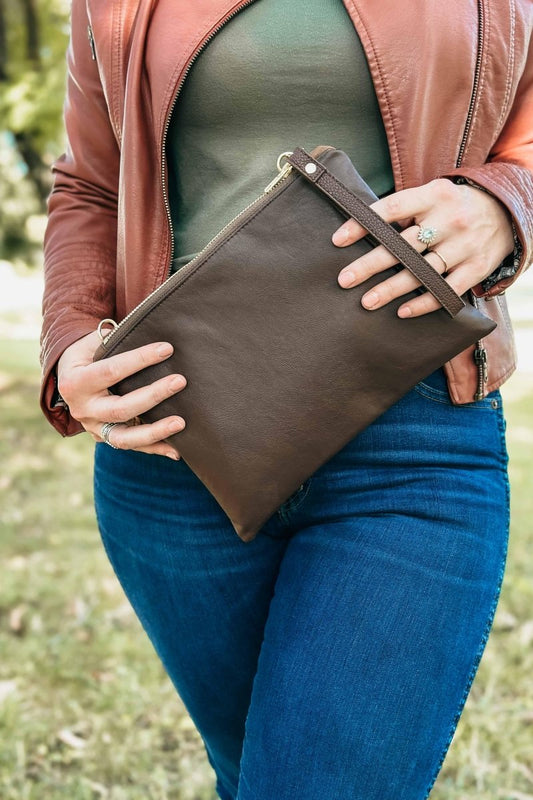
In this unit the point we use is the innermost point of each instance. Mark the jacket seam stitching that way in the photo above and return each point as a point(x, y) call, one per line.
point(384, 87)
point(510, 67)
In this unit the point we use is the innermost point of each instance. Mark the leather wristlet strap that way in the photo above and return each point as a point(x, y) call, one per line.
point(378, 228)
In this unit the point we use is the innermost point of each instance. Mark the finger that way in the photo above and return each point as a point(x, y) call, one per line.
point(105, 373)
point(401, 206)
point(461, 279)
point(375, 261)
point(160, 449)
point(397, 285)
point(121, 409)
point(135, 437)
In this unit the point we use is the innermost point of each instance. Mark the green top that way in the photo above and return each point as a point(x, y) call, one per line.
point(277, 75)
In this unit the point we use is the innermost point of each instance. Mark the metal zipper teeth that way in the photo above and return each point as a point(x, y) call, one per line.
point(163, 158)
point(475, 87)
point(169, 116)
point(480, 357)
point(178, 277)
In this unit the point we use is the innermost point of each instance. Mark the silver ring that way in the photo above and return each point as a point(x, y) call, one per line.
point(426, 235)
point(105, 430)
point(433, 250)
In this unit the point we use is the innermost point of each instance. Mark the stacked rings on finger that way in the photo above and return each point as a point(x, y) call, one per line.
point(105, 430)
point(427, 235)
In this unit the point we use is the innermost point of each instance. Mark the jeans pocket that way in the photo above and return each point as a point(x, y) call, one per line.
point(435, 387)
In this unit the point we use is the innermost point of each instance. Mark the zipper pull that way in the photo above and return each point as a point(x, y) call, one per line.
point(480, 359)
point(282, 172)
point(91, 42)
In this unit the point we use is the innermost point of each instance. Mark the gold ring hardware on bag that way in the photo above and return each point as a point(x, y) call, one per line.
point(283, 171)
point(103, 322)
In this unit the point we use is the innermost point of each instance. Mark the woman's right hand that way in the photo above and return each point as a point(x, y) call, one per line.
point(84, 386)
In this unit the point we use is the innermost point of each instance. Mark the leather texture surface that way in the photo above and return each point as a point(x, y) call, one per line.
point(283, 366)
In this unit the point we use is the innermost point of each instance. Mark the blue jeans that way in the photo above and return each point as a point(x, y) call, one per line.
point(330, 657)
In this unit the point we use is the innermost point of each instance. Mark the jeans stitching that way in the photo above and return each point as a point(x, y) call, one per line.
point(291, 505)
point(490, 618)
point(442, 397)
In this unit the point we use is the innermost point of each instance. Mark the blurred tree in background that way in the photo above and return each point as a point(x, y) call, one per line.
point(33, 42)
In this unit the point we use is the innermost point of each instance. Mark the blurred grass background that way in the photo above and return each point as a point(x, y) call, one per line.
point(86, 711)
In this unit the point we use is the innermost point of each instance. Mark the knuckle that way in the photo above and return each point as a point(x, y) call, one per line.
point(411, 235)
point(391, 205)
point(155, 435)
point(460, 220)
point(445, 189)
point(118, 439)
point(66, 385)
point(110, 370)
point(118, 412)
point(478, 267)
point(160, 393)
point(147, 356)
point(386, 292)
point(76, 410)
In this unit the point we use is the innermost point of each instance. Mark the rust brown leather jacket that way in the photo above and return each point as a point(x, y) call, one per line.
point(454, 83)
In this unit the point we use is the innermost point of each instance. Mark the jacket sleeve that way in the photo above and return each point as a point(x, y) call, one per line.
point(508, 175)
point(81, 233)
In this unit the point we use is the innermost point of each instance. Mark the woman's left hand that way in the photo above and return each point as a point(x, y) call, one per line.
point(473, 235)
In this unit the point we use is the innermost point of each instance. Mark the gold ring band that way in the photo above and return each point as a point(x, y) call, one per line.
point(441, 258)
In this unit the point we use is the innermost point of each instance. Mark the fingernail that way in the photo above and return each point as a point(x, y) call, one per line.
point(404, 311)
point(340, 236)
point(346, 279)
point(174, 456)
point(370, 299)
point(164, 350)
point(177, 383)
point(176, 424)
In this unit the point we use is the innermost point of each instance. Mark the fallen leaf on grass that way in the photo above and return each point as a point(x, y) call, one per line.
point(7, 688)
point(505, 621)
point(17, 623)
point(526, 633)
point(69, 738)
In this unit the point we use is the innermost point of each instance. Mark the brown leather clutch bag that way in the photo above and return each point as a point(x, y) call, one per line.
point(284, 366)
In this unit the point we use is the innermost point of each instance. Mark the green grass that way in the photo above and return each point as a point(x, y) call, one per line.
point(86, 711)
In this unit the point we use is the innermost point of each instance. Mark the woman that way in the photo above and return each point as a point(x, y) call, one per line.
point(331, 656)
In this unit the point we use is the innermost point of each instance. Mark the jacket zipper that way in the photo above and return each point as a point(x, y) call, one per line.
point(169, 116)
point(480, 353)
point(90, 36)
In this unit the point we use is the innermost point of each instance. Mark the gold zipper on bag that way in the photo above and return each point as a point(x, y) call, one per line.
point(171, 282)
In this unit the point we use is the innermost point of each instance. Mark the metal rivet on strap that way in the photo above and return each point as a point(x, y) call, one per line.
point(310, 169)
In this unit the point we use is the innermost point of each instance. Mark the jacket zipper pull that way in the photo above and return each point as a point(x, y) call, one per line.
point(91, 42)
point(480, 358)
